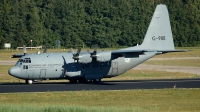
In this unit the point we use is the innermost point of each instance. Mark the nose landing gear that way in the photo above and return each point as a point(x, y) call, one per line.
point(29, 82)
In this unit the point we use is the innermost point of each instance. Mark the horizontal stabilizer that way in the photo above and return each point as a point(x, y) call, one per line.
point(167, 51)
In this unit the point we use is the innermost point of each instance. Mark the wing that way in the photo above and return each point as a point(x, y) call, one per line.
point(129, 51)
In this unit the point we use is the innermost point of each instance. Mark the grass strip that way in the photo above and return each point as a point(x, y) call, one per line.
point(61, 108)
point(133, 100)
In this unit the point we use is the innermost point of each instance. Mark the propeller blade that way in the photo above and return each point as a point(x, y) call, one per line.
point(45, 50)
point(72, 51)
point(88, 51)
point(95, 51)
point(75, 55)
point(95, 47)
point(93, 54)
point(24, 50)
point(78, 52)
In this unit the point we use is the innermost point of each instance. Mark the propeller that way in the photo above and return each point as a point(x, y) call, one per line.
point(94, 53)
point(75, 55)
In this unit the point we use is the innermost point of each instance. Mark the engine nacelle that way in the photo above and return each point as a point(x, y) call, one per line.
point(85, 58)
point(100, 57)
point(103, 56)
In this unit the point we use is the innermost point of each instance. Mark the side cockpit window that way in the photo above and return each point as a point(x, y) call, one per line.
point(25, 67)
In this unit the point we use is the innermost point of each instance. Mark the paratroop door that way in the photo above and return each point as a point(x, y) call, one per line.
point(42, 73)
point(114, 68)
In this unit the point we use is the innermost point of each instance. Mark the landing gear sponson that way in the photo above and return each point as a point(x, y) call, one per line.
point(85, 80)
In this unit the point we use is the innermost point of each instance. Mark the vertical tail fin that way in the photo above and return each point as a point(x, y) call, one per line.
point(159, 34)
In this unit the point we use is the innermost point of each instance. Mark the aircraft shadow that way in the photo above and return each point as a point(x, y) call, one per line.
point(56, 83)
point(108, 82)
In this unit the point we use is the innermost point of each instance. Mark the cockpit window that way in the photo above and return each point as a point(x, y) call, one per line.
point(17, 62)
point(25, 60)
point(21, 60)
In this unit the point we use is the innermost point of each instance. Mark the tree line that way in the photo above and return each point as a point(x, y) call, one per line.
point(108, 23)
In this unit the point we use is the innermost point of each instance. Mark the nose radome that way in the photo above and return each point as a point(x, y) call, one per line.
point(15, 71)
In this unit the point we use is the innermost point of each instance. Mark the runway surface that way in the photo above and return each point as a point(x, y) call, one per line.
point(105, 85)
point(8, 62)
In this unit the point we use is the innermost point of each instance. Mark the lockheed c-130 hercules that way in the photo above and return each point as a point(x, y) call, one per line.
point(93, 66)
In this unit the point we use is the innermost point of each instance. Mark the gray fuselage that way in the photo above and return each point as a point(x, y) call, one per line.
point(63, 66)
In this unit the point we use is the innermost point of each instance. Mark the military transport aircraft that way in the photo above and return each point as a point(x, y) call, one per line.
point(89, 66)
